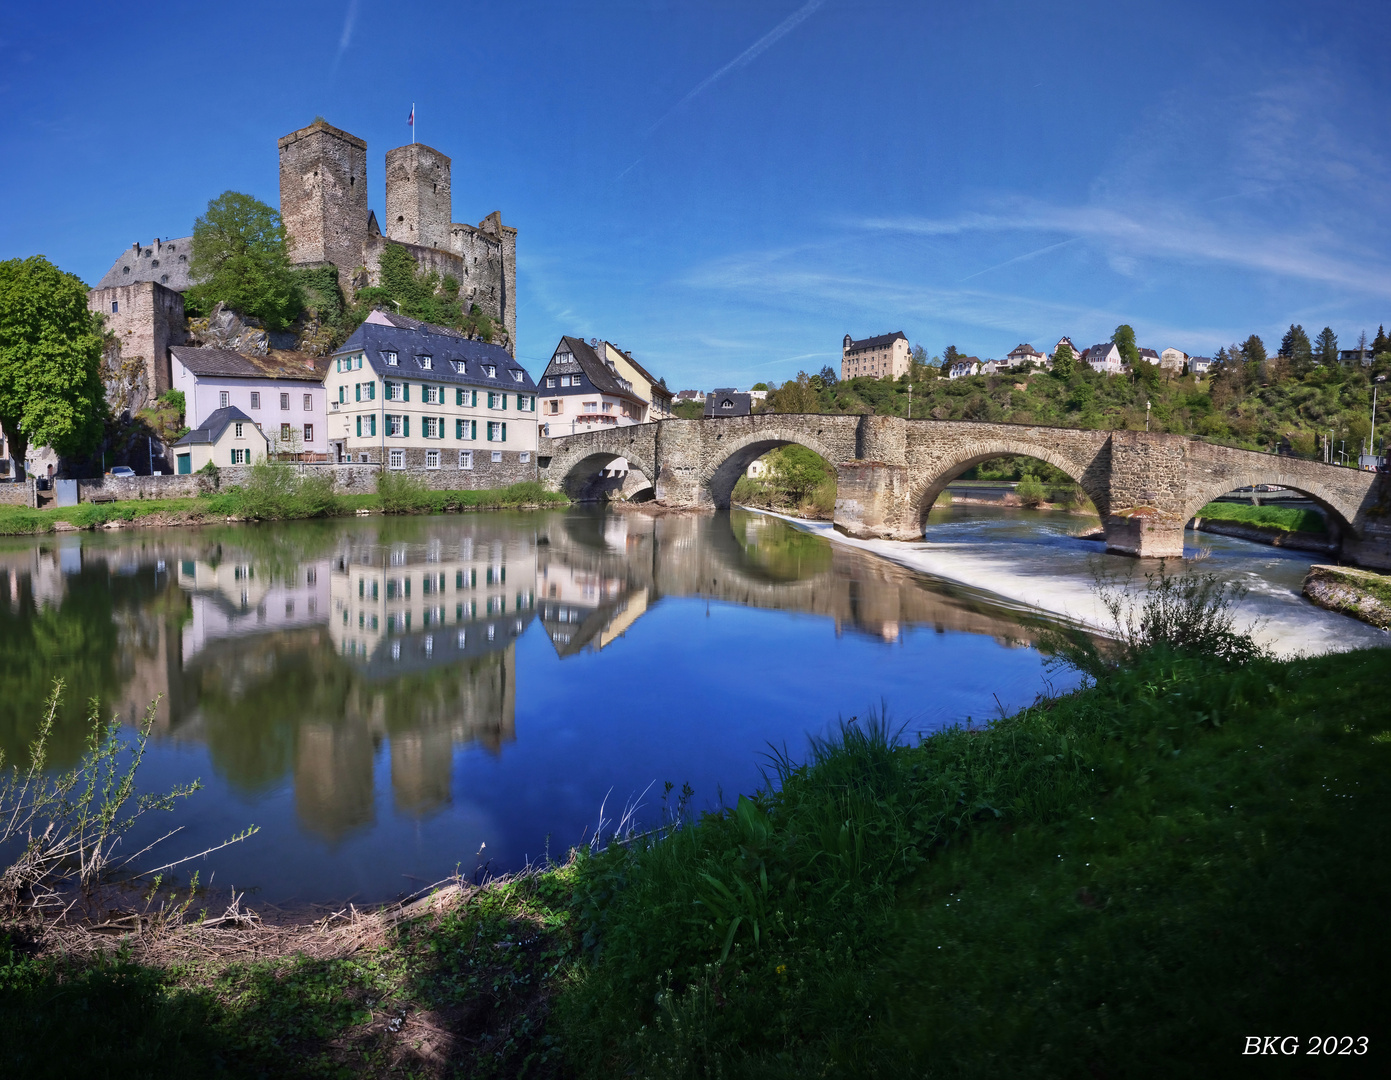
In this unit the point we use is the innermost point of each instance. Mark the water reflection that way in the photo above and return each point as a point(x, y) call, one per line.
point(324, 667)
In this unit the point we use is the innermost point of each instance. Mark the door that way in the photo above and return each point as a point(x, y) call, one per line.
point(185, 462)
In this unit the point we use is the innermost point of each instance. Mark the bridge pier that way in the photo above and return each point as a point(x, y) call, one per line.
point(873, 502)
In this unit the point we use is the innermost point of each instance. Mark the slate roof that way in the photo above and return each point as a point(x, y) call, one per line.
point(1098, 352)
point(1150, 355)
point(740, 404)
point(1024, 350)
point(876, 342)
point(277, 364)
point(457, 360)
point(211, 429)
point(587, 361)
point(162, 261)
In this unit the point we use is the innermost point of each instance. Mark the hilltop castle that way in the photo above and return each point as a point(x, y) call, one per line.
point(323, 203)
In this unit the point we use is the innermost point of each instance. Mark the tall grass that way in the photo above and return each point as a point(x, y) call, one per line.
point(279, 491)
point(1286, 518)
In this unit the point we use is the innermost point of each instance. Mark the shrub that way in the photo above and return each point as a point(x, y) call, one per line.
point(275, 491)
point(402, 493)
point(1030, 490)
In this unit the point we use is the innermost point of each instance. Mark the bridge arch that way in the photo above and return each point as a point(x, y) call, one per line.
point(575, 463)
point(941, 472)
point(1341, 517)
point(735, 455)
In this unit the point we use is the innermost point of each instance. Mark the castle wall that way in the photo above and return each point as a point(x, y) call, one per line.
point(147, 319)
point(418, 203)
point(323, 196)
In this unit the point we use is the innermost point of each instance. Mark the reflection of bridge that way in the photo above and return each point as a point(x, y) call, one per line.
point(1147, 487)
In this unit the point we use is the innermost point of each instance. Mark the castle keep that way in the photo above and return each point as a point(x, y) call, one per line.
point(323, 202)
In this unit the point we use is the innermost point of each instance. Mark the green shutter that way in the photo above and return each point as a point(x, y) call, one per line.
point(406, 426)
point(458, 397)
point(439, 432)
point(504, 433)
point(372, 422)
point(357, 391)
point(359, 427)
point(405, 391)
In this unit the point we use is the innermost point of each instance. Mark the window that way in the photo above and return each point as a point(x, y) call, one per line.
point(490, 370)
point(393, 425)
point(285, 401)
point(427, 427)
point(237, 456)
point(223, 399)
point(397, 459)
point(591, 406)
point(550, 380)
point(497, 432)
point(392, 392)
point(466, 397)
point(308, 433)
point(115, 307)
point(256, 398)
point(608, 406)
point(524, 456)
point(432, 395)
point(390, 359)
point(577, 380)
point(427, 362)
point(517, 375)
point(236, 430)
point(432, 459)
point(554, 404)
point(497, 455)
point(465, 429)
point(284, 432)
point(308, 403)
point(465, 459)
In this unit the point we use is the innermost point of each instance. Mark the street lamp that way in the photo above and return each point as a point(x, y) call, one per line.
point(1147, 415)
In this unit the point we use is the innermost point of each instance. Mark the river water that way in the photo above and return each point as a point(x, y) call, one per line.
point(390, 700)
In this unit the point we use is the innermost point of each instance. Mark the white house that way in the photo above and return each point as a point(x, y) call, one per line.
point(1025, 354)
point(1105, 358)
point(1065, 340)
point(1200, 365)
point(1173, 360)
point(227, 437)
point(282, 392)
point(967, 366)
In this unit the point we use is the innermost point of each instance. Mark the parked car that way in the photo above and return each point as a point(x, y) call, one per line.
point(120, 470)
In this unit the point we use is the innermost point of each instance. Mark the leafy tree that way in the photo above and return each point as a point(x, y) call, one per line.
point(797, 470)
point(50, 360)
point(1064, 362)
point(1326, 347)
point(948, 359)
point(239, 259)
point(759, 386)
point(1253, 351)
point(829, 376)
point(1124, 341)
point(795, 396)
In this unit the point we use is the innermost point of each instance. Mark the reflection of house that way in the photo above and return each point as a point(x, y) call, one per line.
point(235, 598)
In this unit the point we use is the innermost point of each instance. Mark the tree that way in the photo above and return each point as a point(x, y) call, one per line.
point(1326, 347)
point(759, 386)
point(1381, 343)
point(795, 396)
point(948, 359)
point(1295, 345)
point(1253, 351)
point(50, 360)
point(829, 376)
point(239, 259)
point(1124, 341)
point(798, 470)
point(1064, 362)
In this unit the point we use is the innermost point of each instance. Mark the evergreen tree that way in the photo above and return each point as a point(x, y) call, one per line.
point(1253, 351)
point(948, 359)
point(1295, 346)
point(1381, 343)
point(829, 376)
point(1326, 347)
point(51, 392)
point(239, 259)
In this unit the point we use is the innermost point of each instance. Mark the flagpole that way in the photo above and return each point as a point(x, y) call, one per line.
point(412, 123)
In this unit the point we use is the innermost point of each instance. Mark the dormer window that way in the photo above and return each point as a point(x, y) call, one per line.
point(458, 366)
point(427, 362)
point(726, 404)
point(516, 375)
point(490, 370)
point(391, 359)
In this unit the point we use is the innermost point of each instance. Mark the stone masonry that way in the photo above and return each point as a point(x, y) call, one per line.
point(145, 318)
point(1146, 487)
point(323, 197)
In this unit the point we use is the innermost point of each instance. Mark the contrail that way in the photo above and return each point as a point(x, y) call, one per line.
point(1019, 258)
point(346, 37)
point(751, 53)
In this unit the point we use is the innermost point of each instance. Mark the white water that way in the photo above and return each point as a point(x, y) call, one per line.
point(1030, 558)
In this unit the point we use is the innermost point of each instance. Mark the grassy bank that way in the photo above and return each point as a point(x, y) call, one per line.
point(274, 500)
point(1284, 518)
point(1124, 881)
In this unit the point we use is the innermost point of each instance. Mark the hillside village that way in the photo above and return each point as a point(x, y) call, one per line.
point(402, 356)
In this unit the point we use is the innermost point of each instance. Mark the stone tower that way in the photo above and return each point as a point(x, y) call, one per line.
point(323, 196)
point(418, 205)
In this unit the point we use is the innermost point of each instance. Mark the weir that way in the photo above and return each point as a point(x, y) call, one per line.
point(1146, 486)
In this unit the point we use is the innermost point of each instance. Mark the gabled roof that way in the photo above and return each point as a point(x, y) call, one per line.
point(211, 429)
point(163, 261)
point(877, 342)
point(1099, 352)
point(727, 402)
point(456, 359)
point(277, 364)
point(587, 360)
point(1024, 350)
point(658, 390)
point(1147, 353)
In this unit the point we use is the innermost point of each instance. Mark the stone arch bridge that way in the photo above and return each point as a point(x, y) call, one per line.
point(1146, 486)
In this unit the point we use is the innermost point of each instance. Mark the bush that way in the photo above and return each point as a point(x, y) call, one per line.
point(402, 493)
point(275, 491)
point(1030, 490)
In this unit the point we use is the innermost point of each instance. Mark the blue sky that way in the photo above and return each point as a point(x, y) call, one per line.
point(727, 188)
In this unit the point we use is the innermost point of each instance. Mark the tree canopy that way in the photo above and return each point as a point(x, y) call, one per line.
point(1124, 341)
point(1064, 362)
point(948, 359)
point(51, 392)
point(1253, 351)
point(423, 295)
point(239, 259)
point(1326, 347)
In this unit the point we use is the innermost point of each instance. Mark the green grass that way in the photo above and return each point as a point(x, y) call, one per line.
point(1285, 518)
point(1124, 881)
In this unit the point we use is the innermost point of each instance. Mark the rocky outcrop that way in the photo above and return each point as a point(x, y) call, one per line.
point(1362, 594)
point(224, 328)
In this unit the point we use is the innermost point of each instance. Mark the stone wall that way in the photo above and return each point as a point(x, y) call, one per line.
point(109, 488)
point(323, 197)
point(17, 494)
point(148, 319)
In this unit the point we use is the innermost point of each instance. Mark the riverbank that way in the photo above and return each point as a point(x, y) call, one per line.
point(236, 504)
point(1363, 594)
point(1126, 880)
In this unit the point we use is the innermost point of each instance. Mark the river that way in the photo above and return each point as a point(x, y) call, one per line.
point(390, 700)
